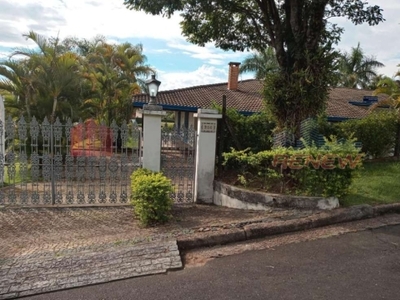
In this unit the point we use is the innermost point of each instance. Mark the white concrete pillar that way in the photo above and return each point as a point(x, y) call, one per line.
point(152, 137)
point(205, 154)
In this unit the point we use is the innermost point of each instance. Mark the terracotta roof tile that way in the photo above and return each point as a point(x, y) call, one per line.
point(339, 106)
point(248, 98)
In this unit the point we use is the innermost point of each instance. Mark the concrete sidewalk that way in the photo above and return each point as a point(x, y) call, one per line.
point(49, 249)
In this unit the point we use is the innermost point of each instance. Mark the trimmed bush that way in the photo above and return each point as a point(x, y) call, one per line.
point(285, 170)
point(151, 196)
point(376, 132)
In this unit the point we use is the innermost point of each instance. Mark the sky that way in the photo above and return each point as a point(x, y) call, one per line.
point(178, 63)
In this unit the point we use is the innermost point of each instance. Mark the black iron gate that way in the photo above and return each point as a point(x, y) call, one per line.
point(84, 163)
point(178, 161)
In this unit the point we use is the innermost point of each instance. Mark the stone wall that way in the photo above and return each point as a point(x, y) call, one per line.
point(234, 197)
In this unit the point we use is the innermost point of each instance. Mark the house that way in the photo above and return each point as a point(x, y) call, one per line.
point(246, 97)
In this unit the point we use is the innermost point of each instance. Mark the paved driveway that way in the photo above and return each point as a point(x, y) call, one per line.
point(29, 230)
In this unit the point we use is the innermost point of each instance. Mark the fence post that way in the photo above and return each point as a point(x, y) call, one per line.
point(205, 154)
point(2, 139)
point(152, 115)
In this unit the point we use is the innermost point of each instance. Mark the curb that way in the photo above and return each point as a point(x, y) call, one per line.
point(259, 230)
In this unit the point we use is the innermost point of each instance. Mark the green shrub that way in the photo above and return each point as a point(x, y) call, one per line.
point(268, 170)
point(376, 132)
point(151, 196)
point(253, 131)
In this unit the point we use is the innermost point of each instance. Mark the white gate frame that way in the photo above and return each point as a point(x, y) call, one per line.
point(205, 148)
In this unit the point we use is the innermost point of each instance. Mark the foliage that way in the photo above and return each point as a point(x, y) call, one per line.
point(73, 78)
point(299, 32)
point(262, 63)
point(169, 117)
point(114, 72)
point(53, 73)
point(356, 69)
point(391, 88)
point(265, 170)
point(253, 131)
point(376, 132)
point(301, 94)
point(16, 82)
point(151, 196)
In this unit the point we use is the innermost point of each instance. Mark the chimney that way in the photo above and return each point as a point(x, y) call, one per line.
point(233, 76)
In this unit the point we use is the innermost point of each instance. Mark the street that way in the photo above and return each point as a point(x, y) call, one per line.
point(362, 265)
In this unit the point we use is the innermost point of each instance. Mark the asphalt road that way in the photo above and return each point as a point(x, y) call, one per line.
point(363, 265)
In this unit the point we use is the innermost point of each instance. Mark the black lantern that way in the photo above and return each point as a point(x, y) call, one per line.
point(152, 85)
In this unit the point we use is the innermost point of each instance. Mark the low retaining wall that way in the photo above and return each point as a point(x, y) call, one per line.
point(234, 197)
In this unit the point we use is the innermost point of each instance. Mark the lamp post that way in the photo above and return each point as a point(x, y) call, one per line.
point(153, 84)
point(152, 115)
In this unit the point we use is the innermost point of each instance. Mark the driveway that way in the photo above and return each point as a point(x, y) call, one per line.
point(25, 231)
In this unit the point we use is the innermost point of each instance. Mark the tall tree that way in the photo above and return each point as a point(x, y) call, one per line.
point(298, 30)
point(356, 70)
point(56, 73)
point(261, 63)
point(116, 73)
point(18, 81)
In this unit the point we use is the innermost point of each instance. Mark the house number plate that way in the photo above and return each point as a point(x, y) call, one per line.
point(208, 127)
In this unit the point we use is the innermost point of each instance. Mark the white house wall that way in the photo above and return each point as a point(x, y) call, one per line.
point(181, 116)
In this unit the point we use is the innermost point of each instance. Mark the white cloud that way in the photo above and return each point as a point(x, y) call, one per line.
point(4, 55)
point(113, 19)
point(209, 54)
point(160, 51)
point(84, 19)
point(379, 41)
point(205, 74)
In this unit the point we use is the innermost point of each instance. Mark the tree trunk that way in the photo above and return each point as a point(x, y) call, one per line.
point(397, 143)
point(28, 105)
point(54, 109)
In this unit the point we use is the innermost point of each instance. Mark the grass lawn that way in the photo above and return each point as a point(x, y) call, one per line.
point(17, 178)
point(378, 183)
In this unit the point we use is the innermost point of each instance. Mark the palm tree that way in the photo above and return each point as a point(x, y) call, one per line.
point(83, 47)
point(115, 72)
point(17, 81)
point(356, 69)
point(131, 61)
point(55, 72)
point(373, 84)
point(262, 63)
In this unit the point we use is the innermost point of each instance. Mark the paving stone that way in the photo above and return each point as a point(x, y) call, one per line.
point(46, 272)
point(8, 296)
point(4, 290)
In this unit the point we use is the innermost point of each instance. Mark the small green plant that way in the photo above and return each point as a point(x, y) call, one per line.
point(151, 196)
point(242, 180)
